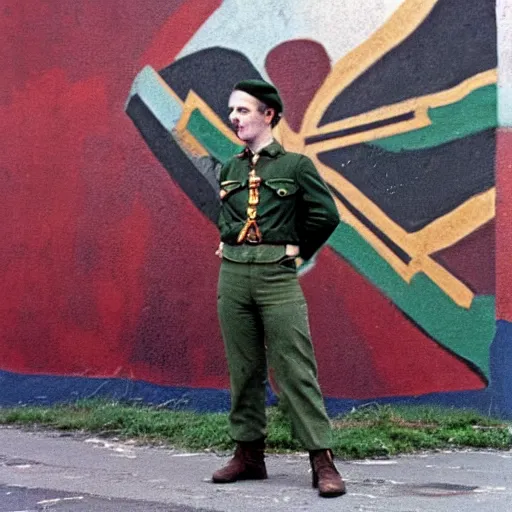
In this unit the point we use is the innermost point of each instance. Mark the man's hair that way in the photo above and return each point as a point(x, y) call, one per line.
point(275, 118)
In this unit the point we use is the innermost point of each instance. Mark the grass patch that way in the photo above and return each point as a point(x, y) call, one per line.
point(384, 431)
point(372, 431)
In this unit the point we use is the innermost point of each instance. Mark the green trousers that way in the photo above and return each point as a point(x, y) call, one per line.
point(263, 316)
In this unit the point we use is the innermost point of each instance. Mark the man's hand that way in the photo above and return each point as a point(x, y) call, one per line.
point(291, 250)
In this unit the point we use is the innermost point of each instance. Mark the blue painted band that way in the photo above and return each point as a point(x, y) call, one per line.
point(19, 389)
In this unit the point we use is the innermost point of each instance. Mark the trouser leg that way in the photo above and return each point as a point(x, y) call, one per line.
point(245, 352)
point(291, 355)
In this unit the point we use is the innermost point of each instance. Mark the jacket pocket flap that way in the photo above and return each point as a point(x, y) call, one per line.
point(226, 187)
point(282, 186)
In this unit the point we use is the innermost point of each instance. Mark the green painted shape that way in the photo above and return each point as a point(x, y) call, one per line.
point(474, 113)
point(466, 332)
point(211, 138)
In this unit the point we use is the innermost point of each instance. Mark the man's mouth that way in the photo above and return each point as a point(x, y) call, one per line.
point(237, 128)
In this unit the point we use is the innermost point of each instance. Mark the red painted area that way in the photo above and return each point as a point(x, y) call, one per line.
point(366, 347)
point(177, 31)
point(176, 340)
point(82, 39)
point(472, 259)
point(298, 58)
point(504, 224)
point(99, 237)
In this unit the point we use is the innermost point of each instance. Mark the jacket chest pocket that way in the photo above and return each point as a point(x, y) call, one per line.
point(229, 187)
point(282, 187)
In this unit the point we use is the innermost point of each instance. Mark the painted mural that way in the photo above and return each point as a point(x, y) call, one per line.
point(501, 353)
point(112, 195)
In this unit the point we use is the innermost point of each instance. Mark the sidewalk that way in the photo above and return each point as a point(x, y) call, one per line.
point(87, 473)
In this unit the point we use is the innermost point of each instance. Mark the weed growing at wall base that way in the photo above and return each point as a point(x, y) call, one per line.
point(374, 431)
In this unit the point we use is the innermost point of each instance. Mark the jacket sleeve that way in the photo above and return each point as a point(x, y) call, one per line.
point(220, 218)
point(317, 215)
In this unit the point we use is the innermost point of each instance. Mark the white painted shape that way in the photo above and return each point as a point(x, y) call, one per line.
point(153, 92)
point(504, 106)
point(504, 22)
point(254, 28)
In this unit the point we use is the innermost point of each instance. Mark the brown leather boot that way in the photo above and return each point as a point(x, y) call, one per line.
point(248, 463)
point(325, 474)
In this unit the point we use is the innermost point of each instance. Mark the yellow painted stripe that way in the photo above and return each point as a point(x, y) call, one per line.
point(402, 23)
point(193, 102)
point(421, 262)
point(419, 106)
point(454, 226)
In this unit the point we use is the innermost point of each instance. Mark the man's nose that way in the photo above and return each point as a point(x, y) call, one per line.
point(233, 117)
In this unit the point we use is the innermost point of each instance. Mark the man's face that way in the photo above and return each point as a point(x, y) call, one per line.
point(248, 122)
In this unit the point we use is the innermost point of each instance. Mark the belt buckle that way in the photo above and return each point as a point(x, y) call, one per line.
point(252, 239)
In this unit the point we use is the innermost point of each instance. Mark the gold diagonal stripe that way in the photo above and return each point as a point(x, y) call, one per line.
point(194, 102)
point(402, 23)
point(454, 226)
point(453, 287)
point(418, 105)
point(440, 234)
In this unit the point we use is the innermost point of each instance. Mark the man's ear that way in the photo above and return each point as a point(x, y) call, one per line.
point(269, 114)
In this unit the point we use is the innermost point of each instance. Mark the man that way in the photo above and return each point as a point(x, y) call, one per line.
point(275, 208)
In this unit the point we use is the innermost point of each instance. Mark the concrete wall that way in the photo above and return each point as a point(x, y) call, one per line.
point(114, 123)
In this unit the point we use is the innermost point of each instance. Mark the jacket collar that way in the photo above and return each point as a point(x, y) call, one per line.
point(273, 150)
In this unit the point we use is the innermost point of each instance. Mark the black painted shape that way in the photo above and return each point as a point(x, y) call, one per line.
point(456, 41)
point(374, 229)
point(174, 160)
point(360, 128)
point(416, 187)
point(211, 73)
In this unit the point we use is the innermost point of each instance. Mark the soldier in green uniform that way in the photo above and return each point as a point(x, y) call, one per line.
point(275, 209)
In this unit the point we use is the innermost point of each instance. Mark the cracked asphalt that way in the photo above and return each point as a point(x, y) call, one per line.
point(50, 471)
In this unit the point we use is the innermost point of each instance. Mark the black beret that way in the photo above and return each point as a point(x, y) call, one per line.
point(263, 91)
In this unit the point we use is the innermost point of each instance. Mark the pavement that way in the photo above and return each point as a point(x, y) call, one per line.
point(51, 471)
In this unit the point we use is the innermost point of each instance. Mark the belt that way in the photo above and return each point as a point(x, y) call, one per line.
point(260, 253)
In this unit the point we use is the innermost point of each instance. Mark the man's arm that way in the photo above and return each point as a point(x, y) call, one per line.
point(317, 214)
point(220, 175)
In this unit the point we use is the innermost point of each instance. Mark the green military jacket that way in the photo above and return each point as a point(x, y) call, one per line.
point(295, 205)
